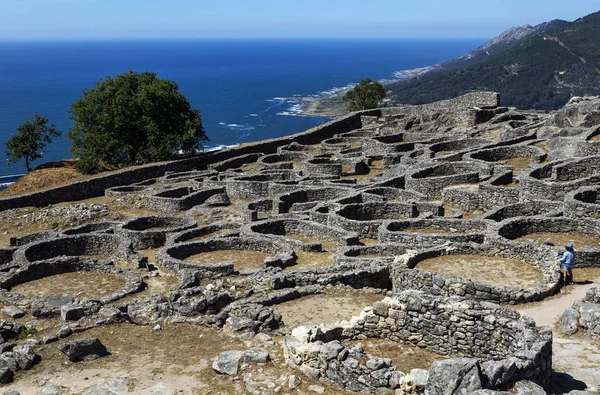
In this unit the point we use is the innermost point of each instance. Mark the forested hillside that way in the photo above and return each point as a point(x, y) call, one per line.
point(541, 72)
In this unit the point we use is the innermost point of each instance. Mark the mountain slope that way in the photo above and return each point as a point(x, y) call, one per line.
point(499, 44)
point(541, 72)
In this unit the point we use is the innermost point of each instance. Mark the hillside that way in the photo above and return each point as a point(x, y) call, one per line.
point(499, 44)
point(540, 72)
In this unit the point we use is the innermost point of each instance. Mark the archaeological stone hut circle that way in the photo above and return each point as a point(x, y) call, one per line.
point(361, 204)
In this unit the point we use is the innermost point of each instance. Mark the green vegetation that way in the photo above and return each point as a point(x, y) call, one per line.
point(33, 136)
point(541, 72)
point(133, 118)
point(366, 95)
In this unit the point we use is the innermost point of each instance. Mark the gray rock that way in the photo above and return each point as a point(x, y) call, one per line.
point(500, 373)
point(49, 306)
point(228, 362)
point(49, 339)
point(6, 375)
point(569, 321)
point(220, 199)
point(11, 393)
point(110, 313)
point(528, 388)
point(316, 388)
point(419, 377)
point(117, 385)
point(64, 332)
point(293, 382)
point(453, 376)
point(13, 312)
point(71, 312)
point(25, 356)
point(83, 350)
point(378, 363)
point(52, 390)
point(262, 338)
point(256, 356)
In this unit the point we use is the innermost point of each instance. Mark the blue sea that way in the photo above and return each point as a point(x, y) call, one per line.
point(243, 87)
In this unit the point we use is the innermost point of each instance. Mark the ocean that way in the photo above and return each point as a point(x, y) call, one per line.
point(244, 88)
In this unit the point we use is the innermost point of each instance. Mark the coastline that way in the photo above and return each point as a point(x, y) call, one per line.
point(331, 103)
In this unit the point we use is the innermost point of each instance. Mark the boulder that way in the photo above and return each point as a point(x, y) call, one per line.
point(6, 375)
point(454, 377)
point(569, 321)
point(528, 388)
point(228, 362)
point(71, 312)
point(256, 356)
point(83, 350)
point(24, 356)
point(49, 306)
point(13, 312)
point(220, 199)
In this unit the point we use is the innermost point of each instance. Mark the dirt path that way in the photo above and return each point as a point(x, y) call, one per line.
point(576, 359)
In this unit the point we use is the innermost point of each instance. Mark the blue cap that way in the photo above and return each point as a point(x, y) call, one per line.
point(569, 245)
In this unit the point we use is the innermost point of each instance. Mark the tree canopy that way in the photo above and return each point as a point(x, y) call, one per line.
point(32, 137)
point(133, 118)
point(366, 95)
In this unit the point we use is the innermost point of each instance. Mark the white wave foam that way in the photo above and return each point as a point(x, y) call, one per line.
point(218, 147)
point(237, 127)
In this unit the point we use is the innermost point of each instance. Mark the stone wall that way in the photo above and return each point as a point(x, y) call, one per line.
point(508, 347)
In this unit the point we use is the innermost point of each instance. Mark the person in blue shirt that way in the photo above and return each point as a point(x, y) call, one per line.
point(567, 263)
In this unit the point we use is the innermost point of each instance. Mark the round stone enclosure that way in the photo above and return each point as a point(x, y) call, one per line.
point(431, 181)
point(98, 246)
point(298, 233)
point(429, 232)
point(335, 305)
point(583, 203)
point(361, 255)
point(525, 209)
point(222, 229)
point(150, 232)
point(224, 256)
point(365, 218)
point(105, 282)
point(498, 272)
point(583, 233)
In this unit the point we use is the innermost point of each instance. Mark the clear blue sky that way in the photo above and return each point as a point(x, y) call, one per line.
point(27, 19)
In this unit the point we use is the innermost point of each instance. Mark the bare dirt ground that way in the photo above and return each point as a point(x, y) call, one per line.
point(241, 259)
point(327, 308)
point(579, 240)
point(78, 284)
point(518, 164)
point(576, 359)
point(404, 357)
point(177, 358)
point(485, 269)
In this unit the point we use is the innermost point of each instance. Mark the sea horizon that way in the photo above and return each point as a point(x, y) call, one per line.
point(244, 87)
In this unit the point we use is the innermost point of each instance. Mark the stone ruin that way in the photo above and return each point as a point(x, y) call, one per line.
point(425, 206)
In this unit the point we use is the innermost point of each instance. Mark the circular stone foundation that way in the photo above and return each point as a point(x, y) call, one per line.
point(241, 259)
point(334, 306)
point(499, 272)
point(490, 270)
point(151, 232)
point(560, 231)
point(223, 256)
point(430, 232)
